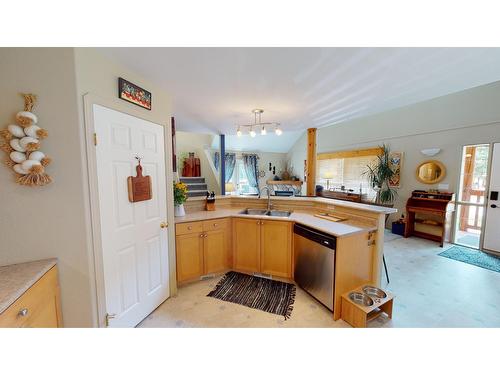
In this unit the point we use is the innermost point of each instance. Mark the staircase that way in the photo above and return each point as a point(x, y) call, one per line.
point(196, 186)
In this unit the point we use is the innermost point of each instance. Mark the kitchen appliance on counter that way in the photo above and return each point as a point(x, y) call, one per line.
point(315, 263)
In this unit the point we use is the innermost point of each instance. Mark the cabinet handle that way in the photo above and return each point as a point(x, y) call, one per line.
point(23, 312)
point(190, 227)
point(215, 224)
point(201, 235)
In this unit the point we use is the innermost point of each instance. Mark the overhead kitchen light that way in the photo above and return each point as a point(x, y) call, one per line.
point(259, 124)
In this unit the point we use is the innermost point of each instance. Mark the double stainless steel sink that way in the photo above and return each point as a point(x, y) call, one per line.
point(261, 212)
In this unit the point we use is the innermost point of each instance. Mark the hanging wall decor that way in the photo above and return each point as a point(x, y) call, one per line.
point(396, 162)
point(134, 94)
point(21, 142)
point(139, 187)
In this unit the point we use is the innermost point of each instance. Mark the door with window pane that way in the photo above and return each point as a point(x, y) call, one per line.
point(471, 199)
point(239, 179)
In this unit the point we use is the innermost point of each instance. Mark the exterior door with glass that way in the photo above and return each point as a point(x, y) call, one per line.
point(471, 199)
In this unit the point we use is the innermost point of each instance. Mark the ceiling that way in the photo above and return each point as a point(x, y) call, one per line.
point(214, 89)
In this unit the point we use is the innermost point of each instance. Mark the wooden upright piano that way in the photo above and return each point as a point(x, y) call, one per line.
point(429, 215)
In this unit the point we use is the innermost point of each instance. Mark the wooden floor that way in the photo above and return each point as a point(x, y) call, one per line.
point(431, 291)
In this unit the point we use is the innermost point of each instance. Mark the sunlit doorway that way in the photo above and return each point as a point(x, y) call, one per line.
point(471, 200)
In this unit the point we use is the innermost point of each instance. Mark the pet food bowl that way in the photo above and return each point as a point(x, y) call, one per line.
point(374, 292)
point(361, 299)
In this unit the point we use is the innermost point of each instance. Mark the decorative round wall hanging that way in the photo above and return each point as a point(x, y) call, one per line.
point(21, 142)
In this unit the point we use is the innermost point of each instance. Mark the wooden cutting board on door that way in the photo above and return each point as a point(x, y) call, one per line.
point(139, 187)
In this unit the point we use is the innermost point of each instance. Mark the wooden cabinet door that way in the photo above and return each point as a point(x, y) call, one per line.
point(40, 305)
point(246, 244)
point(189, 250)
point(215, 251)
point(276, 246)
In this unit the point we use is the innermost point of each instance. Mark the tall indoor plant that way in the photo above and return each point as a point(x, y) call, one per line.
point(379, 173)
point(180, 196)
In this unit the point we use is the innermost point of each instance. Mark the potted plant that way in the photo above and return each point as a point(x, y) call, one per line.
point(180, 196)
point(379, 174)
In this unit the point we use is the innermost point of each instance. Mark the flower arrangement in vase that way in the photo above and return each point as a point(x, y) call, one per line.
point(180, 196)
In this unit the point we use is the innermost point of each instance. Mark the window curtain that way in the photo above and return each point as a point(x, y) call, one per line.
point(216, 160)
point(230, 160)
point(250, 165)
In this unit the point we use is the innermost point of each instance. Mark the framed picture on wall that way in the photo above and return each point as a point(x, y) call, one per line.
point(396, 162)
point(134, 94)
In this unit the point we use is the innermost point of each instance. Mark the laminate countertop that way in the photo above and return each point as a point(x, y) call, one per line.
point(329, 201)
point(338, 229)
point(16, 279)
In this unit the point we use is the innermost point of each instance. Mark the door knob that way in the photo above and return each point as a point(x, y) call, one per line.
point(493, 206)
point(163, 225)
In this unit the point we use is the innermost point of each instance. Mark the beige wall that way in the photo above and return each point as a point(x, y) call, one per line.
point(448, 122)
point(277, 159)
point(53, 221)
point(97, 77)
point(186, 142)
point(43, 222)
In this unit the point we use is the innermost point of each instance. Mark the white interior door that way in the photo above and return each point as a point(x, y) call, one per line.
point(492, 226)
point(135, 248)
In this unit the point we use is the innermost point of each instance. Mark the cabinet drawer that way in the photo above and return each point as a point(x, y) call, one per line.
point(187, 228)
point(37, 307)
point(215, 224)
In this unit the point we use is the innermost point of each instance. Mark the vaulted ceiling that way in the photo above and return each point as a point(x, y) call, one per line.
point(214, 89)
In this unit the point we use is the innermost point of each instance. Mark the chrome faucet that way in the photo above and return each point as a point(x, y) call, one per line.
point(269, 205)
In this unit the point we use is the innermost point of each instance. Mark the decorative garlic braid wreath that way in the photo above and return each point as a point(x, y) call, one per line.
point(21, 142)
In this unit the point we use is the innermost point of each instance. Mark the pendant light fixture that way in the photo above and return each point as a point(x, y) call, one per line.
point(259, 124)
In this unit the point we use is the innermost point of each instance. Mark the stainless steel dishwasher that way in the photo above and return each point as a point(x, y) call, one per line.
point(315, 263)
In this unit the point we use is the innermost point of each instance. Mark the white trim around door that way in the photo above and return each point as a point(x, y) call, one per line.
point(93, 210)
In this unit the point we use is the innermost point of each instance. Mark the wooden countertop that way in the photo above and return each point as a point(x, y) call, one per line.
point(338, 229)
point(16, 279)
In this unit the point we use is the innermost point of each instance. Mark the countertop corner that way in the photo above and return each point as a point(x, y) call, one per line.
point(16, 279)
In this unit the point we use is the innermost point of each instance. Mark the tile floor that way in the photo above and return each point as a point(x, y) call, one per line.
point(431, 291)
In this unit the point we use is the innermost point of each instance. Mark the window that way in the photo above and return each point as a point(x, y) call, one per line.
point(346, 169)
point(240, 179)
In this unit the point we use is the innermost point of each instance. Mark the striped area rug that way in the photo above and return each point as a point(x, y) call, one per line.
point(271, 296)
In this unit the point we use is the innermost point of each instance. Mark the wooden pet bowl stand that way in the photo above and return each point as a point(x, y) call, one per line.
point(358, 315)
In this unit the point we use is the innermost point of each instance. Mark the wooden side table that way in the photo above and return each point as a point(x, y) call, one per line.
point(358, 315)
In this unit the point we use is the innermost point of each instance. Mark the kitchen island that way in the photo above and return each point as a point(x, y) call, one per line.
point(212, 242)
